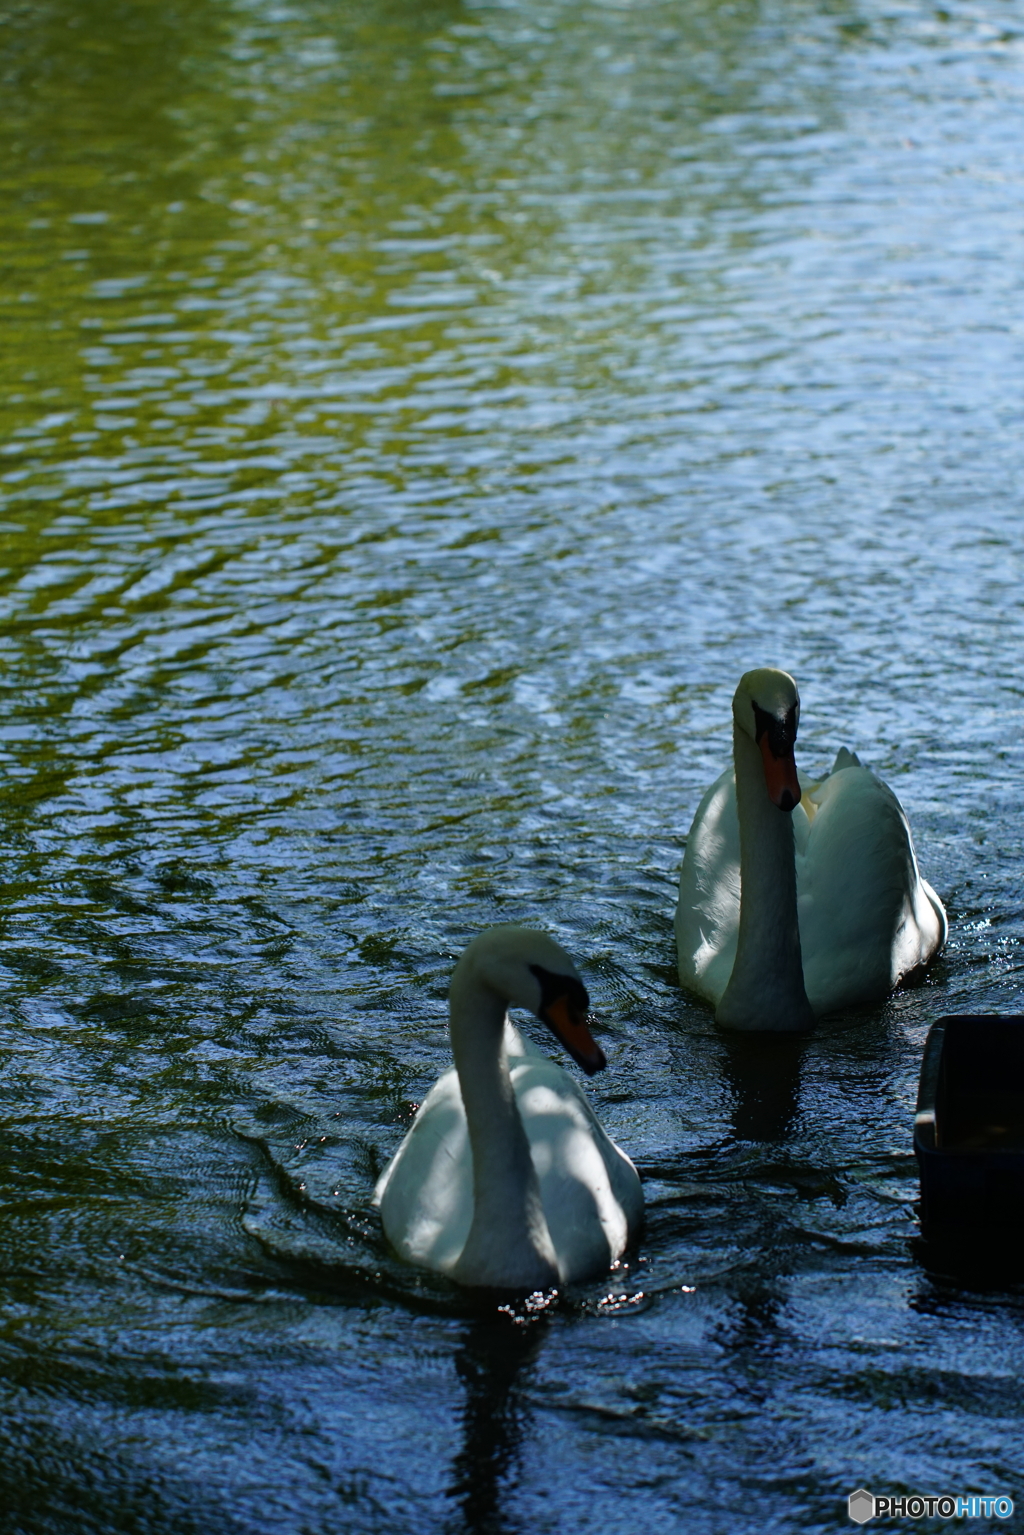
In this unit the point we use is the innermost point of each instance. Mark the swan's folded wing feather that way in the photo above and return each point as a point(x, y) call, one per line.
point(865, 920)
point(590, 1190)
point(426, 1194)
point(812, 791)
point(845, 758)
point(939, 914)
point(708, 912)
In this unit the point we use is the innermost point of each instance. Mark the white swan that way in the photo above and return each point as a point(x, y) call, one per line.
point(506, 1178)
point(797, 898)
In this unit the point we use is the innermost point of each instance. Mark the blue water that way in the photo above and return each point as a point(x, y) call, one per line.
point(415, 417)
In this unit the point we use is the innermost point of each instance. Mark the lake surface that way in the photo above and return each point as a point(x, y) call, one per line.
point(416, 415)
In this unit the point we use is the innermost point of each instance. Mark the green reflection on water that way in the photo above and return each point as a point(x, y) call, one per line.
point(236, 223)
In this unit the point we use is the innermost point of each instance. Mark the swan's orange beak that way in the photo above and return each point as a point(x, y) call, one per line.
point(780, 776)
point(570, 1026)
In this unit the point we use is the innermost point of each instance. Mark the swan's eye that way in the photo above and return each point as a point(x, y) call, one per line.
point(567, 988)
point(781, 733)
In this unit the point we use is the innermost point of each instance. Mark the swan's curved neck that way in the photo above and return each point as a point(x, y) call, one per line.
point(766, 988)
point(508, 1231)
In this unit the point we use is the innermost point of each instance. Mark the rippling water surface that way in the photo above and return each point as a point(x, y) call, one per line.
point(416, 414)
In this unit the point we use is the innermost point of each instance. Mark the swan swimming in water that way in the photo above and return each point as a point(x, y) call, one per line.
point(797, 898)
point(506, 1178)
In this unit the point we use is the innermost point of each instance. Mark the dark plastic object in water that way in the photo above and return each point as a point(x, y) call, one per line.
point(969, 1134)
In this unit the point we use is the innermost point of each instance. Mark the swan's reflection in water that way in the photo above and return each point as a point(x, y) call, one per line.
point(493, 1362)
point(763, 1072)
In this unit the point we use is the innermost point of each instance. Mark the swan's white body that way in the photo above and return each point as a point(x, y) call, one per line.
point(865, 918)
point(506, 1178)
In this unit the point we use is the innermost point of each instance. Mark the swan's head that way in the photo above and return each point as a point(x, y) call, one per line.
point(766, 706)
point(528, 969)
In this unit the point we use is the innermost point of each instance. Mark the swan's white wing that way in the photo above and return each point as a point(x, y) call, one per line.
point(866, 916)
point(708, 913)
point(426, 1193)
point(937, 922)
point(590, 1190)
